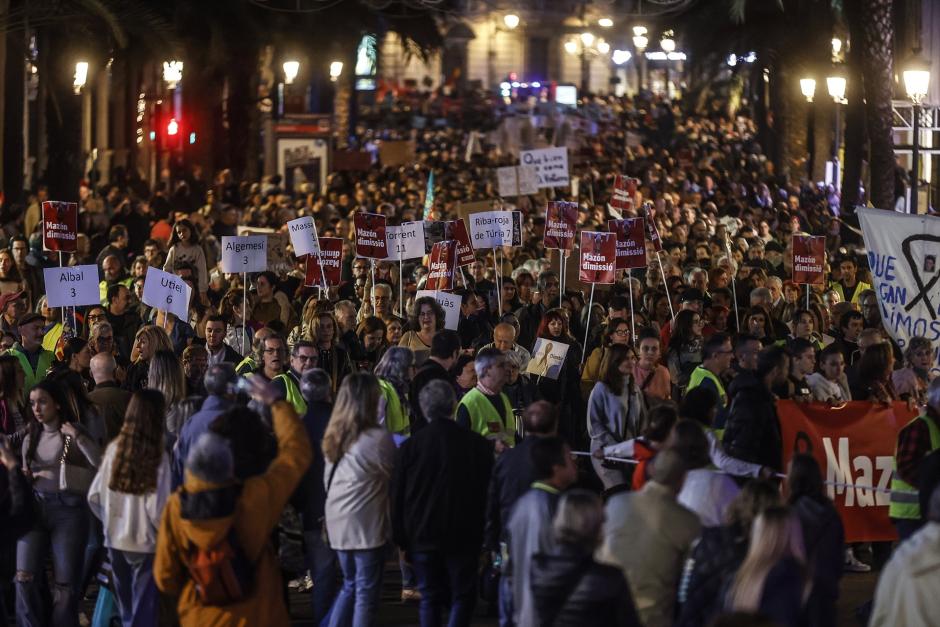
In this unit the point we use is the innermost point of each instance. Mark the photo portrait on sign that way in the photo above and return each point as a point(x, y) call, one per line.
point(547, 358)
point(330, 259)
point(930, 264)
point(561, 220)
point(370, 236)
point(60, 226)
point(809, 259)
point(631, 242)
point(442, 264)
point(598, 257)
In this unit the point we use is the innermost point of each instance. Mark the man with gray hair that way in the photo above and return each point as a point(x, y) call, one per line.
point(220, 386)
point(486, 409)
point(108, 396)
point(762, 297)
point(907, 589)
point(438, 504)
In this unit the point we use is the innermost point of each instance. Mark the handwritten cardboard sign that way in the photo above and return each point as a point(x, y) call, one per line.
point(550, 164)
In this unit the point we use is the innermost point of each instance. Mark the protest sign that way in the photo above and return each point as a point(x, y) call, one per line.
point(405, 241)
point(330, 258)
point(902, 254)
point(457, 230)
point(652, 233)
point(72, 286)
point(598, 257)
point(450, 303)
point(809, 259)
point(853, 444)
point(244, 254)
point(395, 153)
point(516, 180)
point(303, 236)
point(491, 229)
point(550, 164)
point(624, 193)
point(561, 220)
point(442, 265)
point(433, 233)
point(631, 242)
point(370, 235)
point(59, 226)
point(466, 209)
point(516, 229)
point(167, 292)
point(548, 357)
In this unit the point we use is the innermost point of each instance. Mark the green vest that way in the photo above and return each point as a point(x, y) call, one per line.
point(32, 377)
point(905, 501)
point(484, 419)
point(395, 419)
point(700, 374)
point(103, 288)
point(294, 397)
point(246, 365)
point(860, 287)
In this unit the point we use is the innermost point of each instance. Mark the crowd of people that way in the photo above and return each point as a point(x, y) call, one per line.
point(203, 463)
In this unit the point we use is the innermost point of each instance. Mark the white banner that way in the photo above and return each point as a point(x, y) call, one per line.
point(551, 165)
point(167, 292)
point(516, 180)
point(72, 287)
point(303, 236)
point(449, 302)
point(903, 251)
point(491, 229)
point(244, 254)
point(405, 241)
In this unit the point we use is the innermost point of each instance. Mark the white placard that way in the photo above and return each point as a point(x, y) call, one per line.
point(405, 241)
point(490, 229)
point(547, 358)
point(506, 177)
point(303, 236)
point(72, 287)
point(450, 303)
point(551, 165)
point(244, 254)
point(167, 292)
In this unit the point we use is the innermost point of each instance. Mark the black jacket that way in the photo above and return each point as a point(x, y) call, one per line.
point(429, 371)
point(530, 317)
point(823, 537)
point(310, 498)
point(752, 432)
point(513, 475)
point(713, 561)
point(570, 589)
point(439, 489)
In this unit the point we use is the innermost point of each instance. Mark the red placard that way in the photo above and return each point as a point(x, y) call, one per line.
point(624, 192)
point(854, 445)
point(631, 242)
point(809, 259)
point(457, 231)
point(59, 226)
point(561, 220)
point(443, 265)
point(331, 256)
point(651, 233)
point(598, 257)
point(370, 235)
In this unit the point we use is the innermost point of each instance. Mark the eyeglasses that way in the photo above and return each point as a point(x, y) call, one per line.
point(622, 332)
point(306, 357)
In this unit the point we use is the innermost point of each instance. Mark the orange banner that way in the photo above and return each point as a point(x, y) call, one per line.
point(854, 445)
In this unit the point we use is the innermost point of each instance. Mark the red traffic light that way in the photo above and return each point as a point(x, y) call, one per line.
point(172, 128)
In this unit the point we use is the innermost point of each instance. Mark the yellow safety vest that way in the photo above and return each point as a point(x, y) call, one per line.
point(32, 377)
point(700, 374)
point(905, 500)
point(395, 419)
point(294, 397)
point(485, 420)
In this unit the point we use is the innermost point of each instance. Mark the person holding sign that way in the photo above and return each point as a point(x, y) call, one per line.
point(428, 319)
point(565, 391)
point(33, 360)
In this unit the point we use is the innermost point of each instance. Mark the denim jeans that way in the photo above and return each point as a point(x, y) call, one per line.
point(137, 594)
point(408, 580)
point(358, 599)
point(321, 561)
point(62, 528)
point(505, 601)
point(446, 579)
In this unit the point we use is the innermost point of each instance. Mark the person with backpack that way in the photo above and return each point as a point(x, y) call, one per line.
point(213, 548)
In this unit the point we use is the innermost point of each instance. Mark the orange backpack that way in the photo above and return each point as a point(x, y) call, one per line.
point(222, 573)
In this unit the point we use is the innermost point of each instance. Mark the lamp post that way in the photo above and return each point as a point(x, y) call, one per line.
point(808, 89)
point(511, 22)
point(668, 45)
point(640, 41)
point(835, 84)
point(79, 80)
point(916, 83)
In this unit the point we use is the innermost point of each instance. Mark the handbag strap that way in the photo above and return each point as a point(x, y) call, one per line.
point(572, 586)
point(329, 481)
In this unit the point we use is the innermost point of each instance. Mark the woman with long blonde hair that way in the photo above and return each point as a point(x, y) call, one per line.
point(148, 340)
point(134, 479)
point(359, 456)
point(305, 329)
point(166, 376)
point(772, 579)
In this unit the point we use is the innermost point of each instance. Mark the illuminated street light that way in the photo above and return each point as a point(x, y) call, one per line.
point(587, 38)
point(336, 69)
point(621, 56)
point(81, 76)
point(605, 22)
point(667, 43)
point(916, 83)
point(602, 46)
point(511, 20)
point(639, 30)
point(291, 70)
point(571, 46)
point(808, 88)
point(172, 73)
point(836, 46)
point(836, 87)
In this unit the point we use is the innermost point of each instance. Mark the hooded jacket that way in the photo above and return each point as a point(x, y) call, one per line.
point(201, 515)
point(752, 433)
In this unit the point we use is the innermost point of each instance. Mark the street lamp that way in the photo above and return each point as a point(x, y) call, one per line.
point(605, 22)
point(916, 84)
point(291, 70)
point(835, 85)
point(336, 69)
point(172, 73)
point(587, 38)
point(511, 20)
point(571, 46)
point(81, 76)
point(808, 88)
point(667, 43)
point(602, 46)
point(640, 41)
point(619, 57)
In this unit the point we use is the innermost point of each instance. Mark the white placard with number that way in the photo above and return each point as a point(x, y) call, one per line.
point(303, 236)
point(248, 253)
point(72, 287)
point(167, 292)
point(405, 241)
point(491, 229)
point(450, 303)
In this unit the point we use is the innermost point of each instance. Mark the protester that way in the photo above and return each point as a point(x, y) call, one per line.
point(486, 409)
point(148, 340)
point(109, 398)
point(445, 347)
point(394, 376)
